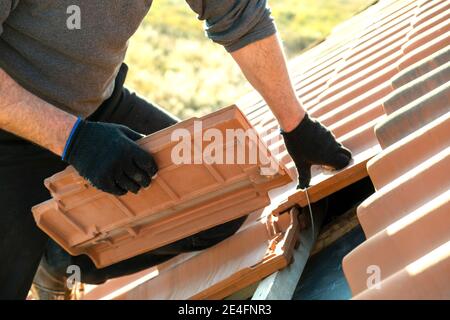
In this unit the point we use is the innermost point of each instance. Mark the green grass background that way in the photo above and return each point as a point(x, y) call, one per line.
point(173, 64)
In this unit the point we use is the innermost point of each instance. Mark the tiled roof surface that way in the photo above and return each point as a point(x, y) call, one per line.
point(407, 221)
point(263, 245)
point(380, 82)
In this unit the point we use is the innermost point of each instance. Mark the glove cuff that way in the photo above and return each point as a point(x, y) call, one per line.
point(72, 137)
point(302, 131)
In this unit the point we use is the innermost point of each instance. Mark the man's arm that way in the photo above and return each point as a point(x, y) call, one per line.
point(105, 154)
point(246, 30)
point(307, 141)
point(24, 114)
point(264, 65)
point(31, 118)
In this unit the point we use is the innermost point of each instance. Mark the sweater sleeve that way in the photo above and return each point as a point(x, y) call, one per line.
point(6, 7)
point(235, 23)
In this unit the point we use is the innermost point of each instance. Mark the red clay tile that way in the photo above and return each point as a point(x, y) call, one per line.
point(354, 120)
point(225, 268)
point(429, 32)
point(182, 200)
point(373, 96)
point(413, 116)
point(428, 48)
point(354, 92)
point(429, 139)
point(401, 243)
point(406, 193)
point(428, 20)
point(426, 278)
point(417, 88)
point(258, 114)
point(421, 68)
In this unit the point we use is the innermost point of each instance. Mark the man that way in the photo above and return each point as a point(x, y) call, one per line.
point(62, 102)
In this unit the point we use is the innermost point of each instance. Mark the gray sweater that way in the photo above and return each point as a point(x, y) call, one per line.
point(71, 59)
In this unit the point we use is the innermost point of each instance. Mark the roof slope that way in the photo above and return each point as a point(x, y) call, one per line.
point(407, 221)
point(380, 82)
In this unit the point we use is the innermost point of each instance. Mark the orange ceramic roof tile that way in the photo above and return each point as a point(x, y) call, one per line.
point(405, 194)
point(425, 278)
point(416, 89)
point(225, 268)
point(401, 243)
point(430, 139)
point(184, 199)
point(406, 221)
point(413, 116)
point(421, 68)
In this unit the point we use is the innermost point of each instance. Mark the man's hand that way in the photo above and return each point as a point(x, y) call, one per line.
point(311, 143)
point(107, 156)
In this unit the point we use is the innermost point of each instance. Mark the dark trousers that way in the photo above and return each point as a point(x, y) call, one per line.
point(24, 166)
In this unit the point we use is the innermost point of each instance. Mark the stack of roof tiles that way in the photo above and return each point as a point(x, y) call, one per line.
point(185, 198)
point(386, 68)
point(407, 221)
point(263, 245)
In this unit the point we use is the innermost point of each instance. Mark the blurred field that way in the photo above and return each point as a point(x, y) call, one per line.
point(173, 64)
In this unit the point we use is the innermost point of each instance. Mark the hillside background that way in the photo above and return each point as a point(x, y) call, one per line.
point(173, 64)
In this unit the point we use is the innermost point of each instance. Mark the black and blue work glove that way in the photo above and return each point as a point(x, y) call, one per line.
point(108, 157)
point(313, 144)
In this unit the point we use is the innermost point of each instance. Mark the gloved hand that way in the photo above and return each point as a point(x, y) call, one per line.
point(107, 156)
point(311, 143)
